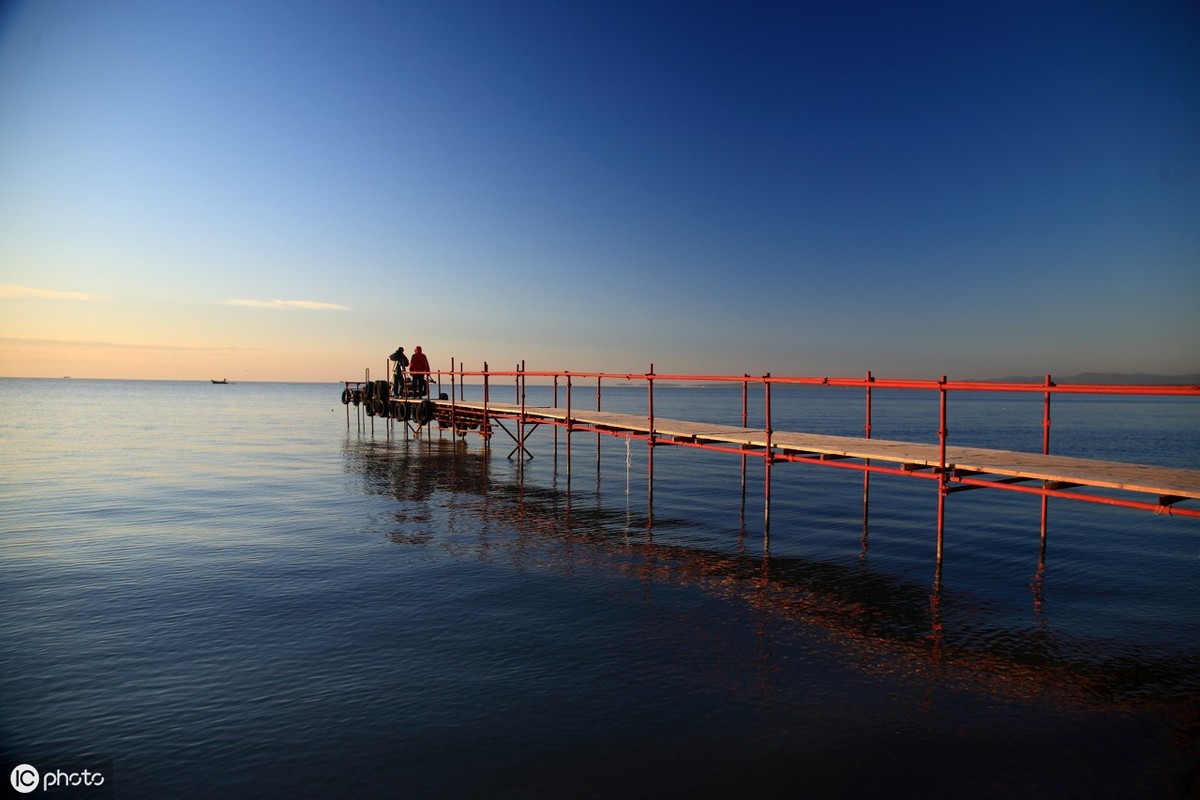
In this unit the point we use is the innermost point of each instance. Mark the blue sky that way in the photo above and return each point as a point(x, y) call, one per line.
point(288, 190)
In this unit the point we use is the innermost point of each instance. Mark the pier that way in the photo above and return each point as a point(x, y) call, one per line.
point(952, 468)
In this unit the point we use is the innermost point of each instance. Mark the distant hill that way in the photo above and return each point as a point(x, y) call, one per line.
point(1123, 379)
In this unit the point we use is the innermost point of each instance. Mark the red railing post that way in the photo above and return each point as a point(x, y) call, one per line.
point(767, 408)
point(650, 401)
point(867, 472)
point(870, 380)
point(598, 379)
point(1046, 452)
point(745, 393)
point(453, 407)
point(943, 433)
point(485, 392)
point(650, 441)
point(767, 458)
point(521, 403)
point(745, 422)
point(568, 425)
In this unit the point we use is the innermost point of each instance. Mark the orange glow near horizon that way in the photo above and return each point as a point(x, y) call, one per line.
point(39, 358)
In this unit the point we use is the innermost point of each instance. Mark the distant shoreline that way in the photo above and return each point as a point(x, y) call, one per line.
point(1112, 378)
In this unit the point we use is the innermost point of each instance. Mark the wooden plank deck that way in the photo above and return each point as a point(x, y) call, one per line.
point(1164, 482)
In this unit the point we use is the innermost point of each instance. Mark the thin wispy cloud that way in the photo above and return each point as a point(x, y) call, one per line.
point(11, 290)
point(311, 305)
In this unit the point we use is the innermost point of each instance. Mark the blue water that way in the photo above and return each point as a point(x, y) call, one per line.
point(231, 591)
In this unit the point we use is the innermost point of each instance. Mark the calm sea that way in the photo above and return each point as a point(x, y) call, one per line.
point(229, 591)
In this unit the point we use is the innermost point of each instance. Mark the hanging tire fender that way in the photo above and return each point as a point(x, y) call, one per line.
point(425, 412)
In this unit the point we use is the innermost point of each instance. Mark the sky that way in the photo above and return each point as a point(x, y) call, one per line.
point(286, 191)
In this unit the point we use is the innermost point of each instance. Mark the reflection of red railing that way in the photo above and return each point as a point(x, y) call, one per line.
point(943, 474)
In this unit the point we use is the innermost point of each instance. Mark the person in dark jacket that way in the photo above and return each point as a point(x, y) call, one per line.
point(419, 369)
point(400, 363)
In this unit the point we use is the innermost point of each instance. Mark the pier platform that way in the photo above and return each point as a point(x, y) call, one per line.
point(1168, 485)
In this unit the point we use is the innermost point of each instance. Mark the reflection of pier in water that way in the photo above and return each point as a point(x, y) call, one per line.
point(879, 622)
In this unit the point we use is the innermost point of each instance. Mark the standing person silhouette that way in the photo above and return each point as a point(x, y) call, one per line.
point(418, 367)
point(400, 362)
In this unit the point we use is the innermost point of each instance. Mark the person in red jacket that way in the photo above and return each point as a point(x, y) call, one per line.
point(418, 368)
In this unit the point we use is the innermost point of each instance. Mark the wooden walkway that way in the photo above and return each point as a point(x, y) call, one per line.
point(1168, 485)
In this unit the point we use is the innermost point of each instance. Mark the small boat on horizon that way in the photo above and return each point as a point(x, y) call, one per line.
point(223, 380)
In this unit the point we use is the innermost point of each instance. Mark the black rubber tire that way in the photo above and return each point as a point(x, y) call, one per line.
point(346, 396)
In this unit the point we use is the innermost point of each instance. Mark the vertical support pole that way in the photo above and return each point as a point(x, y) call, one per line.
point(487, 418)
point(867, 472)
point(745, 398)
point(597, 432)
point(367, 382)
point(521, 403)
point(745, 418)
point(453, 407)
point(554, 433)
point(568, 430)
point(387, 403)
point(768, 457)
point(429, 394)
point(650, 449)
point(1045, 451)
point(943, 433)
